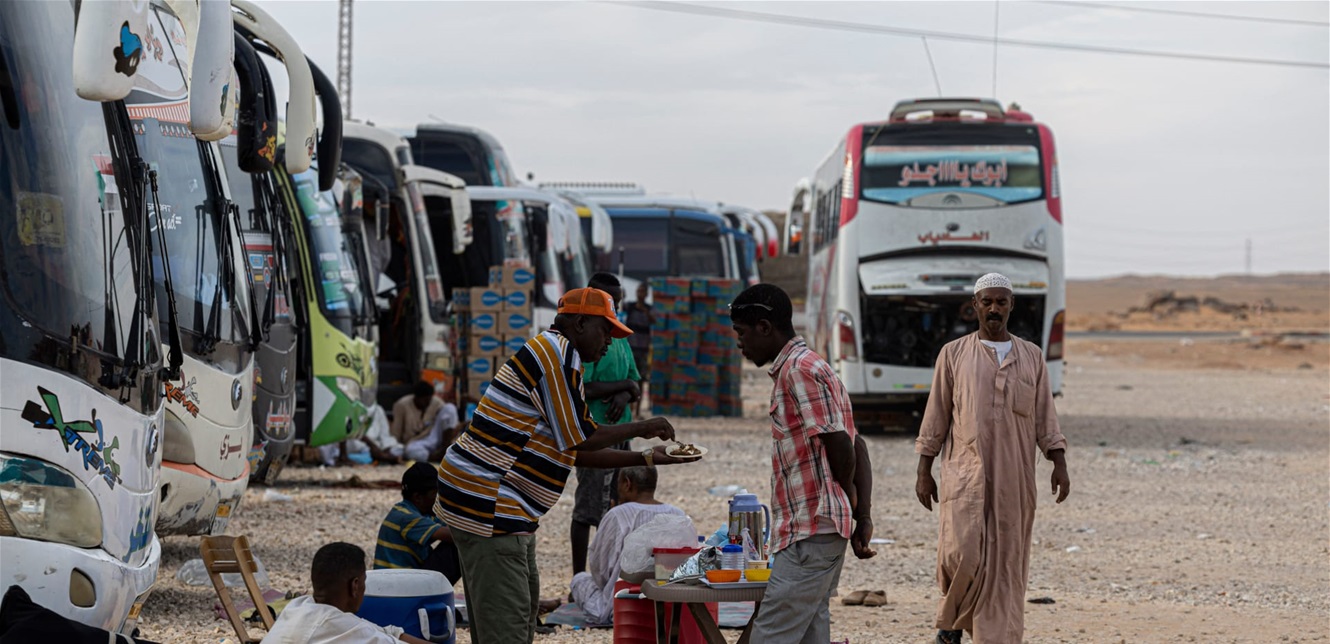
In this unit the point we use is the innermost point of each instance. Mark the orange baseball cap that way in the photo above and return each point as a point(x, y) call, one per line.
point(593, 301)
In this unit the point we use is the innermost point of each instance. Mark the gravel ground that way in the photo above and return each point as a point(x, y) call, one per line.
point(1199, 512)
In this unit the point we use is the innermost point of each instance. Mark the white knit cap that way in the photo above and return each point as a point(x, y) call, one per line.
point(992, 280)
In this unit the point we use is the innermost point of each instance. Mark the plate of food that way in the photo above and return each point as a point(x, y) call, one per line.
point(686, 450)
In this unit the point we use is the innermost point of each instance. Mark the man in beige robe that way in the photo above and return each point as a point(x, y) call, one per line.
point(990, 408)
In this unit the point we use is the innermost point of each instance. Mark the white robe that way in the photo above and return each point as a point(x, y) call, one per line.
point(593, 590)
point(305, 621)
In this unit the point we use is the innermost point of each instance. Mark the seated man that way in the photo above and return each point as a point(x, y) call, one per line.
point(410, 529)
point(420, 422)
point(593, 590)
point(328, 616)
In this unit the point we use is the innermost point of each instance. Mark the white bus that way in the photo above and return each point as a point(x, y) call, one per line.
point(899, 221)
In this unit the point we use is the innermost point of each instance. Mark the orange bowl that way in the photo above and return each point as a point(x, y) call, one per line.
point(723, 576)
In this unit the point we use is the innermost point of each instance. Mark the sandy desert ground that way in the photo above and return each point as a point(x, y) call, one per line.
point(1200, 509)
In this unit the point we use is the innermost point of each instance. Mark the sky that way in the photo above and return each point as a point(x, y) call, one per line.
point(1168, 166)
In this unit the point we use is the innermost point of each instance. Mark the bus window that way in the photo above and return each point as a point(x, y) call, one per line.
point(449, 157)
point(645, 244)
point(371, 159)
point(697, 249)
point(998, 163)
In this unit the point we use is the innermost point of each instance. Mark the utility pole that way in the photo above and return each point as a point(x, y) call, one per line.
point(344, 55)
point(1249, 255)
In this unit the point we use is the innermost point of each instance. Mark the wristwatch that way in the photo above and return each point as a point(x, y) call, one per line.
point(648, 454)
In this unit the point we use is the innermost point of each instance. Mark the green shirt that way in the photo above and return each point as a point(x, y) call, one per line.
point(618, 364)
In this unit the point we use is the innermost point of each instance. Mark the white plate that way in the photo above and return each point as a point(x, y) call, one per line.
point(702, 451)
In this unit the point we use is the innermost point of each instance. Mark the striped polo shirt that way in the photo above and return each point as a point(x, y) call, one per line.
point(404, 538)
point(510, 465)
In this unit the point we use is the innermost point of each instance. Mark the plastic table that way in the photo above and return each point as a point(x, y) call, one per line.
point(695, 597)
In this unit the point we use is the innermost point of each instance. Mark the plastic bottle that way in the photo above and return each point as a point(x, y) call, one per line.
point(732, 557)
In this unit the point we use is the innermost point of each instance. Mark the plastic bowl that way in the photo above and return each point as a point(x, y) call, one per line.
point(757, 574)
point(723, 576)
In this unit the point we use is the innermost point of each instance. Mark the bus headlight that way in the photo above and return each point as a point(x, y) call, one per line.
point(349, 387)
point(43, 502)
point(848, 348)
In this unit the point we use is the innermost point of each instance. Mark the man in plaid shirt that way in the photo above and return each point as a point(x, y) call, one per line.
point(821, 479)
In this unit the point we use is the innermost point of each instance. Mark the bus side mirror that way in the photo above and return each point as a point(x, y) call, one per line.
point(212, 88)
point(108, 47)
point(794, 240)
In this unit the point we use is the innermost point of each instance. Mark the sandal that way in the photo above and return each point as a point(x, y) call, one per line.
point(855, 598)
point(949, 637)
point(875, 599)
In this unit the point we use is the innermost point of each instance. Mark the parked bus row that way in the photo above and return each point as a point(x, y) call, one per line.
point(197, 279)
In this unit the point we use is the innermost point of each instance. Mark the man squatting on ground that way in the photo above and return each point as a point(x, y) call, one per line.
point(991, 406)
point(821, 480)
point(611, 386)
point(328, 615)
point(510, 465)
point(409, 534)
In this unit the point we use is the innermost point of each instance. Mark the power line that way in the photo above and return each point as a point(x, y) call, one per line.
point(839, 25)
point(1190, 14)
point(936, 83)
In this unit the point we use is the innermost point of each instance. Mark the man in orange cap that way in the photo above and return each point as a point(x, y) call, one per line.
point(510, 465)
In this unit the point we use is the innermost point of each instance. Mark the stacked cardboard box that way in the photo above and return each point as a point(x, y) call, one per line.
point(695, 363)
point(496, 322)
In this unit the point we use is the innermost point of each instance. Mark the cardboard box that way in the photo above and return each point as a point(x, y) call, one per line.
point(496, 277)
point(461, 299)
point(517, 300)
point(670, 287)
point(476, 387)
point(485, 298)
point(513, 344)
point(515, 323)
point(485, 345)
point(515, 278)
point(485, 322)
point(480, 367)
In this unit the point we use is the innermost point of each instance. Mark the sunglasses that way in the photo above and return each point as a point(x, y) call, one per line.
point(740, 307)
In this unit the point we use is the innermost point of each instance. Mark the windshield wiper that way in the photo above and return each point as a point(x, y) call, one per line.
point(255, 335)
point(177, 358)
point(130, 170)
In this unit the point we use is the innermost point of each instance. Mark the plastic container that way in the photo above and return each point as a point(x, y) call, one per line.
point(732, 557)
point(635, 619)
point(668, 559)
point(420, 602)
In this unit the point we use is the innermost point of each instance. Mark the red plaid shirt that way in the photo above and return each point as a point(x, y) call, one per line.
point(808, 399)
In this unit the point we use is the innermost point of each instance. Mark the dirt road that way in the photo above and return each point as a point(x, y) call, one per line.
point(1199, 512)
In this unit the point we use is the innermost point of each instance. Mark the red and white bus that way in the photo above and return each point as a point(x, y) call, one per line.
point(901, 219)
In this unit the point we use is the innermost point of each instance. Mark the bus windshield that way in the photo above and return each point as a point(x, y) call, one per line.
point(66, 257)
point(697, 245)
point(645, 246)
point(576, 263)
point(193, 210)
point(334, 275)
point(998, 162)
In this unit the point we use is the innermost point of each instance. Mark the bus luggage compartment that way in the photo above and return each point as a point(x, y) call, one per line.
point(910, 330)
